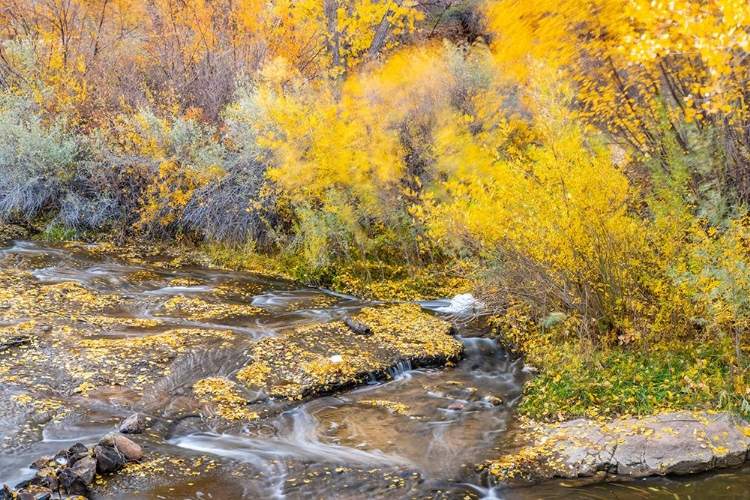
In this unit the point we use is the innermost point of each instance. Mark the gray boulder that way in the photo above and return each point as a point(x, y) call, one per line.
point(669, 443)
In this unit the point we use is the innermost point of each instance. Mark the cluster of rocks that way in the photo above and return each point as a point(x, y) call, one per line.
point(71, 471)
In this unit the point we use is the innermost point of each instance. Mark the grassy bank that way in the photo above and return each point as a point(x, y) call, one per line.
point(579, 379)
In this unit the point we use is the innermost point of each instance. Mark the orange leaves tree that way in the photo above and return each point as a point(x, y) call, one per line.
point(648, 72)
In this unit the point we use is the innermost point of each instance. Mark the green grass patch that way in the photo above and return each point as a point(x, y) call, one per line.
point(616, 381)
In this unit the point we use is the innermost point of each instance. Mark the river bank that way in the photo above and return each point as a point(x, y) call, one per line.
point(151, 330)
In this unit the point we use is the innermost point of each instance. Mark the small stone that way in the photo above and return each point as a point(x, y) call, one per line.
point(33, 492)
point(62, 457)
point(336, 359)
point(41, 463)
point(78, 448)
point(134, 424)
point(78, 456)
point(47, 478)
point(493, 400)
point(82, 472)
point(108, 440)
point(130, 450)
point(108, 459)
point(455, 406)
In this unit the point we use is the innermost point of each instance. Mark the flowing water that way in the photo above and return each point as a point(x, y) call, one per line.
point(418, 434)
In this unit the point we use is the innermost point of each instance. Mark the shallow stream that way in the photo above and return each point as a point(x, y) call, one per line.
point(418, 434)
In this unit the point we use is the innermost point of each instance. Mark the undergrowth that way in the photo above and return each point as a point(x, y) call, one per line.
point(370, 280)
point(578, 379)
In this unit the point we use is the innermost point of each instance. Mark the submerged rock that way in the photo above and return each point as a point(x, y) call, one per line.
point(493, 400)
point(320, 359)
point(15, 341)
point(669, 443)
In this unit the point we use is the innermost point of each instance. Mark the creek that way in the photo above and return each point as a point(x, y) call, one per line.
point(418, 434)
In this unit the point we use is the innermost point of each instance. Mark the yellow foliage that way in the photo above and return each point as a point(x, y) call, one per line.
point(558, 213)
point(644, 70)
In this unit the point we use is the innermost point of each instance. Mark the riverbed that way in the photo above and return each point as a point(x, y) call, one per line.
point(86, 362)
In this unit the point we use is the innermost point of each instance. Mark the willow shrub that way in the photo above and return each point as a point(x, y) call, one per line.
point(552, 220)
point(37, 160)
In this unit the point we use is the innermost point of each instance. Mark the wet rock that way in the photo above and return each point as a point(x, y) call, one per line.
point(62, 457)
point(462, 304)
point(456, 406)
point(78, 448)
point(78, 456)
point(77, 452)
point(5, 493)
point(85, 469)
point(493, 400)
point(108, 459)
point(357, 327)
point(108, 440)
point(131, 451)
point(23, 484)
point(597, 478)
point(134, 424)
point(670, 443)
point(46, 478)
point(41, 463)
point(75, 480)
point(34, 493)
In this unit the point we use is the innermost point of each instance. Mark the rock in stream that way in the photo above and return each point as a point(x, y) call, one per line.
point(669, 443)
